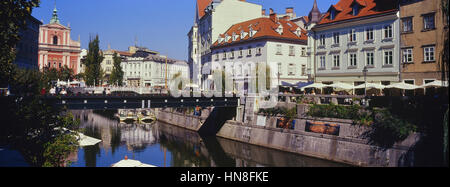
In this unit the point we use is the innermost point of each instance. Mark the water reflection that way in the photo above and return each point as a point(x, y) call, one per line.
point(166, 145)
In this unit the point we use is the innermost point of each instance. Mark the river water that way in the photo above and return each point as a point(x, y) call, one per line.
point(165, 145)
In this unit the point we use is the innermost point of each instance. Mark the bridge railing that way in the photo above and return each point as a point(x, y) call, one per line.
point(138, 90)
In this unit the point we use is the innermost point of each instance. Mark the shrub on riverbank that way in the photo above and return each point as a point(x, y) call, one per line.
point(33, 127)
point(334, 111)
point(386, 128)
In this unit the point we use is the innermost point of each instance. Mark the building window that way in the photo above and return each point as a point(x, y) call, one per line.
point(428, 21)
point(407, 24)
point(353, 60)
point(336, 61)
point(232, 53)
point(352, 35)
point(279, 69)
point(407, 55)
point(240, 52)
point(291, 51)
point(387, 31)
point(303, 70)
point(292, 70)
point(303, 52)
point(279, 49)
point(322, 39)
point(259, 51)
point(217, 56)
point(369, 34)
point(429, 54)
point(370, 59)
point(55, 40)
point(249, 53)
point(224, 54)
point(322, 62)
point(388, 57)
point(336, 37)
point(108, 62)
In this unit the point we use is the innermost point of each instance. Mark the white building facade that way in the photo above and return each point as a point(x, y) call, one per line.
point(342, 46)
point(254, 42)
point(151, 71)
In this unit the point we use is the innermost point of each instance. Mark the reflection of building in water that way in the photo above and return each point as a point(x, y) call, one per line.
point(104, 124)
point(138, 136)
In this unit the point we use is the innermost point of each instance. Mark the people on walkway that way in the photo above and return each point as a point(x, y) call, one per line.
point(53, 91)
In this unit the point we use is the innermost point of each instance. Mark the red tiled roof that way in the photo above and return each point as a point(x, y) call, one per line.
point(201, 5)
point(265, 27)
point(367, 8)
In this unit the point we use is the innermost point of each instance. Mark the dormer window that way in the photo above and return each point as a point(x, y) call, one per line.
point(356, 9)
point(280, 29)
point(298, 32)
point(251, 31)
point(243, 34)
point(332, 14)
point(234, 36)
point(227, 38)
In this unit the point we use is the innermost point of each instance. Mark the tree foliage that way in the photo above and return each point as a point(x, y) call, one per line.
point(93, 74)
point(116, 77)
point(13, 16)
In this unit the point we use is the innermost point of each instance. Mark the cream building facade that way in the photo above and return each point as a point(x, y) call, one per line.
point(151, 71)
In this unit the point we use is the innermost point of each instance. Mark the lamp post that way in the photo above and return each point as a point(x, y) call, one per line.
point(365, 70)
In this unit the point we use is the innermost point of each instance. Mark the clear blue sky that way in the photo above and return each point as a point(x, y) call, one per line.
point(161, 25)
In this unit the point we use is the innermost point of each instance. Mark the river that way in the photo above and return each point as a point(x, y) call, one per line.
point(165, 145)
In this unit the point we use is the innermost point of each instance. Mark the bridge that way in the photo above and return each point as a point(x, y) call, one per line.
point(83, 102)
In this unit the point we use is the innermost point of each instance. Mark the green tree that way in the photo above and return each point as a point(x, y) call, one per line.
point(13, 15)
point(116, 77)
point(93, 74)
point(65, 73)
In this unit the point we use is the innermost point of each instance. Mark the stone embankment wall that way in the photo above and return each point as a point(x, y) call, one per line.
point(349, 146)
point(183, 120)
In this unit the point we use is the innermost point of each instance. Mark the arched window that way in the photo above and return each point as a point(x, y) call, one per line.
point(55, 40)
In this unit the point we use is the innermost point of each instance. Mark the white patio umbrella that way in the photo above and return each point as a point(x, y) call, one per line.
point(403, 86)
point(131, 163)
point(436, 83)
point(315, 85)
point(340, 85)
point(370, 85)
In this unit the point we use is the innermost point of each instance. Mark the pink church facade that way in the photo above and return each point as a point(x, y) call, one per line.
point(56, 48)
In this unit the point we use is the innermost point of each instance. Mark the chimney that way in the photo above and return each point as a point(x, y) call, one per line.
point(289, 10)
point(270, 11)
point(274, 17)
point(263, 12)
